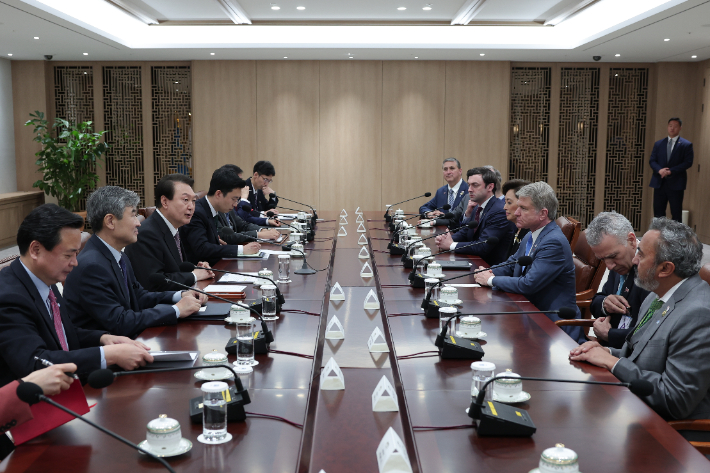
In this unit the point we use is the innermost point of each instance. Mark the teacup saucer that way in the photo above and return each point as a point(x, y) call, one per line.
point(456, 302)
point(522, 397)
point(537, 470)
point(481, 335)
point(183, 447)
point(202, 377)
point(201, 439)
point(437, 276)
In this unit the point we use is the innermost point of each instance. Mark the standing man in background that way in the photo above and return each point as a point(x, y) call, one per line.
point(669, 160)
point(451, 193)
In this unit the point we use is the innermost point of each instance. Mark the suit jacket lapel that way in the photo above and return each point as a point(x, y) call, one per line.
point(113, 264)
point(211, 227)
point(168, 238)
point(39, 303)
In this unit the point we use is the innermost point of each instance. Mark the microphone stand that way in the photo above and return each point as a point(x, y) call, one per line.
point(388, 217)
point(407, 260)
point(416, 280)
point(314, 219)
point(392, 244)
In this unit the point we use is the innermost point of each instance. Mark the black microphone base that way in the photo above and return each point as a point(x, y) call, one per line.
point(391, 226)
point(256, 305)
point(461, 349)
point(431, 310)
point(396, 250)
point(500, 420)
point(416, 280)
point(305, 271)
point(407, 262)
point(310, 236)
point(235, 408)
point(261, 347)
point(388, 218)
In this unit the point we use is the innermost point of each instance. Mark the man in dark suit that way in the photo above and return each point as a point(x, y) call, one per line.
point(159, 248)
point(616, 306)
point(549, 282)
point(669, 160)
point(259, 197)
point(200, 237)
point(103, 293)
point(451, 193)
point(34, 319)
point(487, 213)
point(670, 345)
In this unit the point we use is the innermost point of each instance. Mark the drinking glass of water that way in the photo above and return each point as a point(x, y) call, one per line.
point(245, 347)
point(268, 302)
point(284, 268)
point(214, 413)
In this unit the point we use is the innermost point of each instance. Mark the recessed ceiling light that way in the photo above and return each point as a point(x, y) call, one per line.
point(427, 7)
point(482, 54)
point(416, 57)
point(693, 57)
point(667, 39)
point(401, 8)
point(86, 54)
point(36, 37)
point(211, 54)
point(9, 54)
point(177, 82)
point(85, 73)
point(285, 57)
point(617, 55)
point(351, 57)
point(616, 75)
point(275, 7)
point(300, 8)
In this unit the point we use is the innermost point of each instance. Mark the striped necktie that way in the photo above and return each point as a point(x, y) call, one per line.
point(452, 197)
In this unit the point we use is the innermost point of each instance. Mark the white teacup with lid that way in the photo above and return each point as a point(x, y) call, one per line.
point(558, 459)
point(449, 294)
point(469, 327)
point(434, 269)
point(424, 251)
point(264, 273)
point(238, 314)
point(507, 389)
point(426, 223)
point(297, 250)
point(164, 437)
point(211, 359)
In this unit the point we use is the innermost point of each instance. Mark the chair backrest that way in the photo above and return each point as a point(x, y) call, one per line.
point(146, 211)
point(141, 218)
point(201, 194)
point(84, 238)
point(570, 228)
point(705, 273)
point(589, 269)
point(5, 262)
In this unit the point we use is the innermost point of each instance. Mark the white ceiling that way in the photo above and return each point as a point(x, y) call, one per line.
point(686, 23)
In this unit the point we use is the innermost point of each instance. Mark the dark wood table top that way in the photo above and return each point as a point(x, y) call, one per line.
point(610, 428)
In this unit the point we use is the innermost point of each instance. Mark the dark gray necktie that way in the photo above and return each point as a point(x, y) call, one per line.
point(124, 270)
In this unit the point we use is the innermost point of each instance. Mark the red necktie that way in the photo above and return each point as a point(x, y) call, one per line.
point(57, 318)
point(478, 215)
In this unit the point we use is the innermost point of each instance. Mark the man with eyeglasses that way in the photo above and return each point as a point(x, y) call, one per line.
point(261, 197)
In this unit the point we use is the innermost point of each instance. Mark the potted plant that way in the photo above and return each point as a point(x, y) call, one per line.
point(67, 159)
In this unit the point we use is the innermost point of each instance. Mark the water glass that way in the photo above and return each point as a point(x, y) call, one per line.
point(444, 314)
point(431, 285)
point(214, 412)
point(482, 372)
point(245, 344)
point(284, 268)
point(268, 302)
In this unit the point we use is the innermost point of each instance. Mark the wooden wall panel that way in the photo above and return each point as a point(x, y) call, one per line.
point(351, 135)
point(287, 127)
point(477, 113)
point(224, 117)
point(28, 95)
point(700, 210)
point(413, 106)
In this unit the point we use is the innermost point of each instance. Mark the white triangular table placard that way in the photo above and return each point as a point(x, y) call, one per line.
point(377, 343)
point(337, 293)
point(362, 240)
point(361, 228)
point(371, 300)
point(366, 271)
point(384, 397)
point(336, 381)
point(342, 232)
point(343, 220)
point(359, 219)
point(343, 213)
point(392, 454)
point(358, 211)
point(364, 254)
point(337, 332)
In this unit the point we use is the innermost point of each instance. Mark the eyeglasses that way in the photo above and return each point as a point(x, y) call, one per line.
point(267, 180)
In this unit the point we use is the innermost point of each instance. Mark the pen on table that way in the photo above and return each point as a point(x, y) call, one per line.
point(49, 363)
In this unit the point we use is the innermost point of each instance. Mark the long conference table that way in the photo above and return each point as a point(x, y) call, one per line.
point(609, 427)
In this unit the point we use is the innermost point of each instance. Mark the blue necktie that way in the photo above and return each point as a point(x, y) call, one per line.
point(622, 280)
point(124, 270)
point(669, 150)
point(451, 197)
point(528, 247)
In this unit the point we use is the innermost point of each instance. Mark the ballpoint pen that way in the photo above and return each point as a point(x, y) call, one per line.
point(49, 363)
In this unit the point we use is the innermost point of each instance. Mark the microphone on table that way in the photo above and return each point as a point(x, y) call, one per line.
point(261, 343)
point(431, 308)
point(309, 236)
point(237, 398)
point(188, 267)
point(230, 237)
point(394, 248)
point(495, 419)
point(451, 346)
point(407, 260)
point(388, 217)
point(416, 280)
point(315, 215)
point(32, 394)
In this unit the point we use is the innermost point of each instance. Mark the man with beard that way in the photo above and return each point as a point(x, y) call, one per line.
point(669, 347)
point(612, 239)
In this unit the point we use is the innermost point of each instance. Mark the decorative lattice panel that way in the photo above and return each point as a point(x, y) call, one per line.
point(579, 123)
point(530, 123)
point(74, 97)
point(123, 119)
point(626, 136)
point(171, 93)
